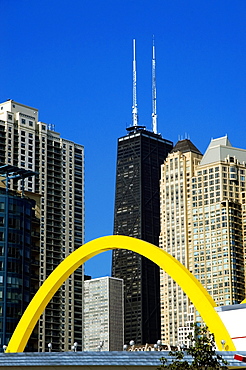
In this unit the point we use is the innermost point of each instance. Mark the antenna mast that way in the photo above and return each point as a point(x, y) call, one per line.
point(154, 115)
point(134, 105)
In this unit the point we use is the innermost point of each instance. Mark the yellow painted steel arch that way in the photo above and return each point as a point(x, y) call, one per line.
point(190, 285)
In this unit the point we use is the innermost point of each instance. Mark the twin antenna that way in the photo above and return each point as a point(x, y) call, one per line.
point(134, 105)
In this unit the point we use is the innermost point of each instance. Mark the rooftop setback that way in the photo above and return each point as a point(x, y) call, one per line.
point(185, 146)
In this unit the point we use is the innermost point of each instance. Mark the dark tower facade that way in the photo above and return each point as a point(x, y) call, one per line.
point(137, 214)
point(19, 261)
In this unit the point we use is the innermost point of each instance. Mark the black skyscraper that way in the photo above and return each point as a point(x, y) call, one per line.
point(137, 214)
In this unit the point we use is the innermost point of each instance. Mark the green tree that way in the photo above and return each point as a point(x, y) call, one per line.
point(201, 350)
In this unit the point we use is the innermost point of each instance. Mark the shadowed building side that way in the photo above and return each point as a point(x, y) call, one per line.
point(137, 214)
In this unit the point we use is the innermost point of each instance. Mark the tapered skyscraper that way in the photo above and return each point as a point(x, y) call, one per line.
point(137, 214)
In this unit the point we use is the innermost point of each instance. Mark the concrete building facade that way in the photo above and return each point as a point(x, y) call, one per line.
point(28, 143)
point(103, 314)
point(202, 225)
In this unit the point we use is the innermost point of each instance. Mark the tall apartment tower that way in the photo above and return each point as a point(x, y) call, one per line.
point(103, 314)
point(203, 226)
point(137, 207)
point(28, 143)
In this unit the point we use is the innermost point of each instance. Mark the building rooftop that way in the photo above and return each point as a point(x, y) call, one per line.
point(219, 149)
point(135, 131)
point(185, 146)
point(98, 360)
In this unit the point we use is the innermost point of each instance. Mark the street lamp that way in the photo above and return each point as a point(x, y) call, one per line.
point(223, 342)
point(74, 347)
point(101, 343)
point(132, 344)
point(182, 346)
point(158, 345)
point(50, 346)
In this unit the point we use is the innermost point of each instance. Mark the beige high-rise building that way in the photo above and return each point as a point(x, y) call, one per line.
point(59, 163)
point(202, 225)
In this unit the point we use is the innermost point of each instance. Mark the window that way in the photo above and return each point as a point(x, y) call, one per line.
point(30, 123)
point(23, 121)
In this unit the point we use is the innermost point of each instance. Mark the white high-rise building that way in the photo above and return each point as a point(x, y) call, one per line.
point(103, 314)
point(59, 163)
point(203, 214)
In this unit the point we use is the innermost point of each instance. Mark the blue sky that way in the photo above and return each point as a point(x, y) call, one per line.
point(72, 60)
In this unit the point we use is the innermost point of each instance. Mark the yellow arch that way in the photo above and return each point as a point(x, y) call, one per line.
point(190, 285)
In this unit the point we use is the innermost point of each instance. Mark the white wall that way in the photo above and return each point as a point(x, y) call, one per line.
point(234, 319)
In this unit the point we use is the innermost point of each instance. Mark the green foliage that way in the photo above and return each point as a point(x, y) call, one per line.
point(177, 363)
point(202, 351)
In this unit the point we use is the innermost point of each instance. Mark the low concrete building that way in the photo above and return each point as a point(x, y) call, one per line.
point(103, 314)
point(233, 317)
